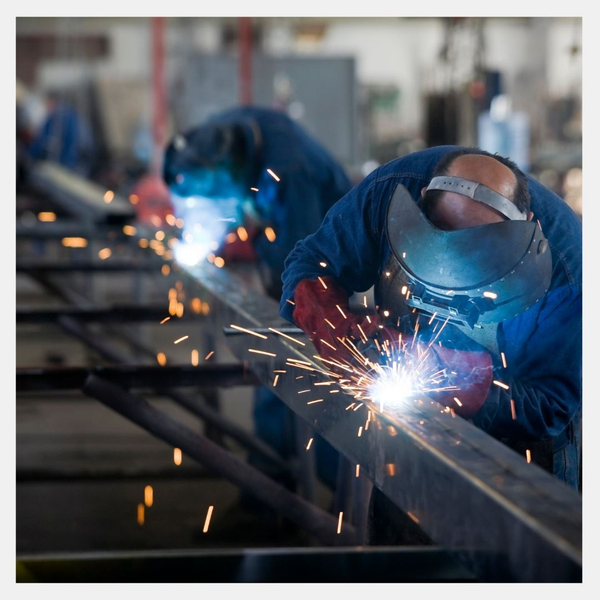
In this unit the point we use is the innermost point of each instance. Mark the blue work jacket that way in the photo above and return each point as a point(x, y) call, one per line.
point(542, 346)
point(310, 180)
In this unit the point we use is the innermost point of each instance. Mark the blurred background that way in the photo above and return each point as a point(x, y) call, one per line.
point(97, 101)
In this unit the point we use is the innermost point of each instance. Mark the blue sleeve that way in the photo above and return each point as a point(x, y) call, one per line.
point(297, 213)
point(543, 350)
point(348, 242)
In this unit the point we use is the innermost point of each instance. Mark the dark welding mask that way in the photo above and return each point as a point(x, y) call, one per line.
point(473, 276)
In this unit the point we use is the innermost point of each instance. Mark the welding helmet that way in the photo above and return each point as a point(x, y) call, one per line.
point(473, 276)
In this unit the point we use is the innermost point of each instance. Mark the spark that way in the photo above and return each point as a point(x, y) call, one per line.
point(315, 401)
point(279, 371)
point(458, 401)
point(270, 233)
point(432, 318)
point(170, 219)
point(140, 514)
point(322, 282)
point(185, 337)
point(261, 352)
point(357, 470)
point(177, 456)
point(360, 430)
point(47, 217)
point(289, 337)
point(273, 175)
point(164, 320)
point(129, 230)
point(254, 189)
point(165, 269)
point(161, 358)
point(242, 233)
point(328, 344)
point(503, 359)
point(275, 380)
point(197, 305)
point(195, 358)
point(329, 323)
point(134, 198)
point(219, 262)
point(160, 235)
point(323, 264)
point(207, 520)
point(292, 303)
point(502, 385)
point(491, 295)
point(309, 443)
point(148, 496)
point(304, 391)
point(104, 253)
point(403, 290)
point(339, 527)
point(243, 329)
point(412, 517)
point(338, 307)
point(350, 406)
point(528, 455)
point(390, 469)
point(209, 355)
point(74, 242)
point(109, 196)
point(512, 410)
point(365, 301)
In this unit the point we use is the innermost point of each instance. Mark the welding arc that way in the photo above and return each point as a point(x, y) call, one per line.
point(311, 518)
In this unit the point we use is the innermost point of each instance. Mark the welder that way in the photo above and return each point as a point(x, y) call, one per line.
point(257, 167)
point(458, 236)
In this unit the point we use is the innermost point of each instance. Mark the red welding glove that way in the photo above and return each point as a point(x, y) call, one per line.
point(471, 371)
point(322, 311)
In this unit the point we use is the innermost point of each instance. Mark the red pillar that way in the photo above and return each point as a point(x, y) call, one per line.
point(159, 100)
point(245, 41)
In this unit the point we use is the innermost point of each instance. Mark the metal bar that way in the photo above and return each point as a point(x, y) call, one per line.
point(314, 520)
point(135, 376)
point(250, 565)
point(119, 313)
point(511, 520)
point(46, 266)
point(79, 197)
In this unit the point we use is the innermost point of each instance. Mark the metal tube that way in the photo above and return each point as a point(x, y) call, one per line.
point(135, 376)
point(311, 518)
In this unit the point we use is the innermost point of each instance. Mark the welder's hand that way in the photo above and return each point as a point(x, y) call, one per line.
point(322, 311)
point(468, 370)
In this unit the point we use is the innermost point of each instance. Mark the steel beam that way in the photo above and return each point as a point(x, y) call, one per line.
point(109, 266)
point(507, 519)
point(117, 313)
point(81, 198)
point(136, 376)
point(263, 565)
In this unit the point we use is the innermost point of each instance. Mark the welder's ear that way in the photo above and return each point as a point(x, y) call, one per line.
point(529, 216)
